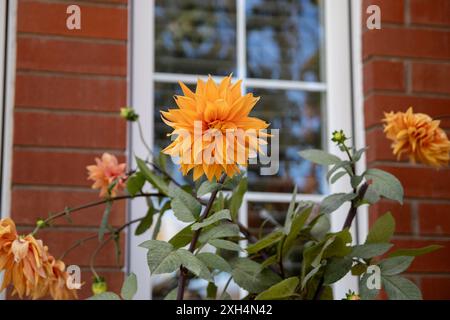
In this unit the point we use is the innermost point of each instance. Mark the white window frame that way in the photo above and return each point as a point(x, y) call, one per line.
point(8, 14)
point(339, 98)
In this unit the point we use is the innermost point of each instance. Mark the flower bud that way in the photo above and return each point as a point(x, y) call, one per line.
point(128, 114)
point(339, 137)
point(99, 285)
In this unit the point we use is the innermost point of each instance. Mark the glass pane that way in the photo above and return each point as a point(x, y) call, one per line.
point(284, 39)
point(195, 36)
point(298, 115)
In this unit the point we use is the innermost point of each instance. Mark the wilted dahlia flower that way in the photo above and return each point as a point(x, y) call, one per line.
point(106, 172)
point(418, 136)
point(213, 129)
point(28, 267)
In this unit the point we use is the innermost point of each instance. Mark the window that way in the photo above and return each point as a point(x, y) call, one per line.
point(294, 54)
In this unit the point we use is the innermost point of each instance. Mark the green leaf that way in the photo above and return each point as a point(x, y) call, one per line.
point(357, 155)
point(237, 197)
point(371, 196)
point(220, 215)
point(151, 177)
point(211, 291)
point(355, 181)
point(399, 288)
point(367, 251)
point(396, 265)
point(220, 231)
point(346, 165)
point(105, 296)
point(160, 258)
point(337, 176)
point(224, 244)
point(146, 223)
point(319, 157)
point(334, 201)
point(364, 291)
point(193, 264)
point(185, 207)
point(382, 230)
point(104, 223)
point(321, 227)
point(135, 183)
point(129, 287)
point(310, 275)
point(269, 240)
point(172, 295)
point(214, 261)
point(297, 224)
point(182, 238)
point(385, 184)
point(336, 269)
point(158, 223)
point(281, 290)
point(250, 275)
point(207, 187)
point(291, 212)
point(271, 260)
point(358, 269)
point(415, 251)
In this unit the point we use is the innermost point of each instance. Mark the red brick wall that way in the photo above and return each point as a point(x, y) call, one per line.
point(407, 63)
point(69, 88)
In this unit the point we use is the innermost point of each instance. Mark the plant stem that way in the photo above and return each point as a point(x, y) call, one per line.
point(92, 204)
point(193, 244)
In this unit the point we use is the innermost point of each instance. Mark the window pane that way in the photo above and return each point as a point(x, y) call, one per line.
point(299, 117)
point(284, 39)
point(195, 36)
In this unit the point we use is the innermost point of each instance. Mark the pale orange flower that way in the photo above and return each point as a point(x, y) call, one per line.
point(105, 172)
point(57, 280)
point(26, 264)
point(221, 114)
point(418, 136)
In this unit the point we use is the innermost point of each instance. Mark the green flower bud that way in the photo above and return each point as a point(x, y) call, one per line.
point(128, 114)
point(339, 137)
point(99, 285)
point(351, 295)
point(40, 223)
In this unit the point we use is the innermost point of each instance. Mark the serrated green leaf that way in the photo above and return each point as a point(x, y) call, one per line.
point(146, 223)
point(207, 187)
point(193, 264)
point(414, 252)
point(224, 244)
point(185, 207)
point(151, 177)
point(382, 230)
point(160, 257)
point(367, 251)
point(396, 265)
point(399, 288)
point(135, 183)
point(364, 291)
point(129, 287)
point(319, 157)
point(334, 201)
point(250, 275)
point(269, 240)
point(182, 237)
point(281, 290)
point(386, 184)
point(220, 231)
point(105, 296)
point(214, 261)
point(217, 216)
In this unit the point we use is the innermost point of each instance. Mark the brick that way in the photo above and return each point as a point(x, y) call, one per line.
point(434, 218)
point(379, 146)
point(436, 261)
point(71, 56)
point(430, 12)
point(391, 11)
point(431, 77)
point(56, 92)
point(50, 18)
point(59, 241)
point(435, 287)
point(400, 42)
point(69, 130)
point(383, 75)
point(401, 213)
point(422, 182)
point(52, 168)
point(375, 106)
point(42, 203)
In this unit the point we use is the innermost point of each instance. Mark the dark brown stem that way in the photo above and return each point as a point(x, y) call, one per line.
point(193, 244)
point(354, 209)
point(92, 204)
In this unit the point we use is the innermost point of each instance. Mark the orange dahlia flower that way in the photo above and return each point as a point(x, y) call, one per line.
point(417, 136)
point(213, 129)
point(106, 172)
point(27, 265)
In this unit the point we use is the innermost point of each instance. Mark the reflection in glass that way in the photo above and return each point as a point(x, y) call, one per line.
point(195, 36)
point(297, 114)
point(284, 39)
